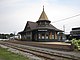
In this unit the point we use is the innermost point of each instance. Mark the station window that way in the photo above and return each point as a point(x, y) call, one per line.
point(43, 36)
point(52, 36)
point(46, 36)
point(39, 36)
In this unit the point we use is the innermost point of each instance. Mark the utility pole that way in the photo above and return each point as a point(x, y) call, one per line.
point(64, 28)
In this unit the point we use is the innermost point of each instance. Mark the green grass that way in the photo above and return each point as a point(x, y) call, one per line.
point(6, 55)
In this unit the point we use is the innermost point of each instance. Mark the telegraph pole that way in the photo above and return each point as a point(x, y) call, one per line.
point(64, 28)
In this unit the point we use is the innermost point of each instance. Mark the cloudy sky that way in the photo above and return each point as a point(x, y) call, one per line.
point(14, 14)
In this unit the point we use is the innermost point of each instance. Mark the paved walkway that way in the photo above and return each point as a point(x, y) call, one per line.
point(74, 53)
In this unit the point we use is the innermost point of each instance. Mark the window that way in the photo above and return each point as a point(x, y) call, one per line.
point(42, 23)
point(46, 36)
point(43, 36)
point(52, 36)
point(46, 23)
point(39, 36)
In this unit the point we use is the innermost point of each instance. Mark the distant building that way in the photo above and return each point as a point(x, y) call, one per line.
point(40, 30)
point(15, 37)
point(75, 33)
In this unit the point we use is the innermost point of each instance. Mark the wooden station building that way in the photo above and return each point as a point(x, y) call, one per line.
point(40, 30)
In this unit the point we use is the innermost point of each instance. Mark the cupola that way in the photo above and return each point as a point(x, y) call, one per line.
point(43, 19)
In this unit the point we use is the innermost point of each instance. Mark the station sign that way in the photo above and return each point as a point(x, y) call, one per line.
point(42, 30)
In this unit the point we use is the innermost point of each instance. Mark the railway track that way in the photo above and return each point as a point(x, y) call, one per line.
point(48, 55)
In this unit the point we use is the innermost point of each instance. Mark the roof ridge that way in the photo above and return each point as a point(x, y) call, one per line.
point(31, 22)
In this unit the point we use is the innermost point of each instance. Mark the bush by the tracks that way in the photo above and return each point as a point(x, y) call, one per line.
point(76, 43)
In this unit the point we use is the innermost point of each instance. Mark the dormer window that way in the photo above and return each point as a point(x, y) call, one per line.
point(46, 23)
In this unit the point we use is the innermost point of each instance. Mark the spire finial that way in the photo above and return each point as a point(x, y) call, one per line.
point(43, 7)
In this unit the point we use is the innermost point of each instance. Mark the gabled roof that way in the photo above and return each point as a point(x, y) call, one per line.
point(55, 28)
point(43, 15)
point(32, 25)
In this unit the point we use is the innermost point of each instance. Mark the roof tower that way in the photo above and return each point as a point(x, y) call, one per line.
point(43, 15)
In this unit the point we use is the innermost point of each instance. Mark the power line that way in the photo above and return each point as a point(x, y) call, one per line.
point(66, 18)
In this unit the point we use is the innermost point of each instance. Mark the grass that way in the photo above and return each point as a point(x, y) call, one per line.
point(6, 55)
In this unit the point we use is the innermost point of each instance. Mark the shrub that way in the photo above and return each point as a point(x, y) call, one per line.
point(76, 43)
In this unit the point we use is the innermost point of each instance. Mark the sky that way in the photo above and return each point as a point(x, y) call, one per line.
point(14, 14)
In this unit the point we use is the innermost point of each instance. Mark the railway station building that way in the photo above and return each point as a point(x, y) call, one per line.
point(41, 30)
